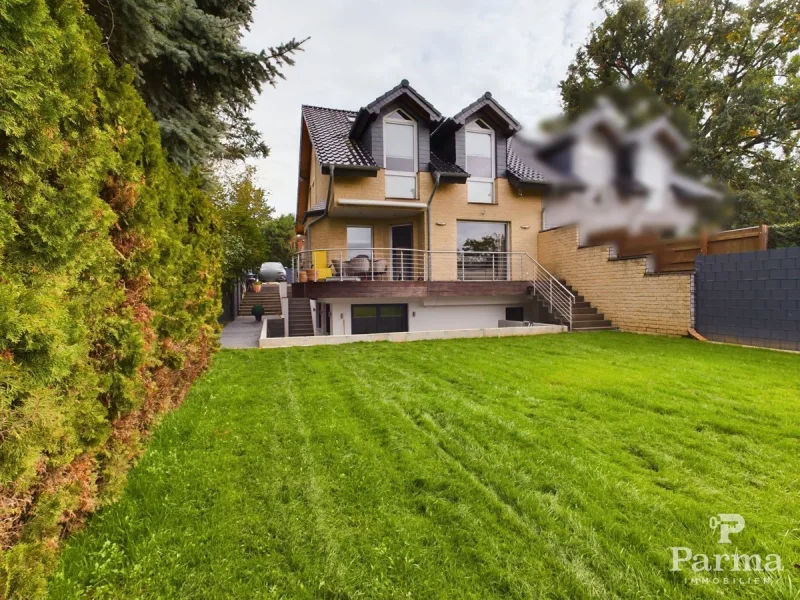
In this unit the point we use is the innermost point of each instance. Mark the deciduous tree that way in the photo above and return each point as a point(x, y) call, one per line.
point(731, 69)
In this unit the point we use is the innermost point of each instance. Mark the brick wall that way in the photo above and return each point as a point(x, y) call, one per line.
point(750, 298)
point(521, 211)
point(621, 289)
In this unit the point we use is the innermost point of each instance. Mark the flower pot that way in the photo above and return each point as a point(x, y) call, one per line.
point(258, 318)
point(302, 277)
point(257, 288)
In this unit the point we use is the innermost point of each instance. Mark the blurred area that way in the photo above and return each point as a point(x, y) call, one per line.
point(618, 173)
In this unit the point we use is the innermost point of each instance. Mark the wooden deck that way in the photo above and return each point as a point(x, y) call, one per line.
point(407, 289)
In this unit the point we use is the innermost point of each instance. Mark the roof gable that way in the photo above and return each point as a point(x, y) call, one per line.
point(488, 106)
point(403, 91)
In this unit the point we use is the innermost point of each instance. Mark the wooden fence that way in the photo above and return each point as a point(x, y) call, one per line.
point(678, 256)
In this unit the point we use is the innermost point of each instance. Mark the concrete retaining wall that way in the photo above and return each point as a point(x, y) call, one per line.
point(412, 336)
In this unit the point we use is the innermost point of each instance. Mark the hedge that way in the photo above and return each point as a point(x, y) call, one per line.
point(109, 271)
point(784, 236)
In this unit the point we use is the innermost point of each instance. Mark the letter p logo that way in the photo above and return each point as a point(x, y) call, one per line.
point(728, 524)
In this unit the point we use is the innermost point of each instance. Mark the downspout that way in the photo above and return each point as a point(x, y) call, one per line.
point(436, 178)
point(324, 214)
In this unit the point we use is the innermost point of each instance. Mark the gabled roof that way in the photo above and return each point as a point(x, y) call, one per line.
point(488, 104)
point(402, 90)
point(329, 129)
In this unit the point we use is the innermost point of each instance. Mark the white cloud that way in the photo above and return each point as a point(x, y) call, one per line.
point(451, 52)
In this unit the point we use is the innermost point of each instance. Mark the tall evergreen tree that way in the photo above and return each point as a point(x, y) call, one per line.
point(731, 68)
point(193, 72)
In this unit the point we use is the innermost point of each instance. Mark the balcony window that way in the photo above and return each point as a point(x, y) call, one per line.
point(480, 163)
point(482, 248)
point(359, 242)
point(400, 149)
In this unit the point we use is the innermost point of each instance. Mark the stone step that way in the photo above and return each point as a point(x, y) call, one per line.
point(596, 316)
point(584, 325)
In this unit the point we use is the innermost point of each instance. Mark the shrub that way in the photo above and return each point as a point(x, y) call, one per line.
point(784, 236)
point(257, 311)
point(109, 268)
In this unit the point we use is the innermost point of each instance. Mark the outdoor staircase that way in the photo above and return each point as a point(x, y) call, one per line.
point(585, 317)
point(300, 320)
point(269, 297)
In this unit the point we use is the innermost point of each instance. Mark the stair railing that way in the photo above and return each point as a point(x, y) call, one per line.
point(558, 299)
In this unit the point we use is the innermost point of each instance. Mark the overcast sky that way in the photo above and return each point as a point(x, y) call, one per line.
point(450, 51)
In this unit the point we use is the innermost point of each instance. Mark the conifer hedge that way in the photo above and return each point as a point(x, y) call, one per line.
point(109, 271)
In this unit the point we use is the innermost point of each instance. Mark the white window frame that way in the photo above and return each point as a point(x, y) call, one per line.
point(409, 123)
point(473, 127)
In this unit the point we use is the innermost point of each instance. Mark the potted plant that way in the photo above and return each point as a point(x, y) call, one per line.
point(257, 286)
point(257, 311)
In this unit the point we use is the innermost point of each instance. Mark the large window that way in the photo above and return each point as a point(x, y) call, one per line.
point(482, 248)
point(359, 242)
point(480, 163)
point(400, 149)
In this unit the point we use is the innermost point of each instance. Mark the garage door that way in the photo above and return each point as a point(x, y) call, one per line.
point(379, 318)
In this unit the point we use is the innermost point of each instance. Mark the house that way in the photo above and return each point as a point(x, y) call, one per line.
point(413, 221)
point(624, 178)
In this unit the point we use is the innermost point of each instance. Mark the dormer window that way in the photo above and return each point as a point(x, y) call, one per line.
point(400, 155)
point(480, 162)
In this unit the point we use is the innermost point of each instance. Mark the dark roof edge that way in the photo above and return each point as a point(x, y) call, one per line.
point(512, 125)
point(326, 167)
point(368, 112)
point(451, 174)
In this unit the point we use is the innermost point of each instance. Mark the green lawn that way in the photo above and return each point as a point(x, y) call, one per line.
point(561, 466)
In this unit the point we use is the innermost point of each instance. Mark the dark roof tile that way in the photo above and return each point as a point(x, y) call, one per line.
point(329, 129)
point(522, 164)
point(439, 165)
point(524, 170)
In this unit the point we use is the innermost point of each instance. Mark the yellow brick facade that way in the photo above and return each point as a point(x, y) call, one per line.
point(620, 289)
point(521, 211)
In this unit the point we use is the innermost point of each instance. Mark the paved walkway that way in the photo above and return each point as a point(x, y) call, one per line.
point(242, 332)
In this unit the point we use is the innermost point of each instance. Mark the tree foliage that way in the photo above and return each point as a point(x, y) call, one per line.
point(245, 211)
point(786, 235)
point(278, 235)
point(250, 234)
point(193, 72)
point(109, 279)
point(731, 68)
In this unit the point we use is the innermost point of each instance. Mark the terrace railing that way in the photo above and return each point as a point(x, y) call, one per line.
point(405, 264)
